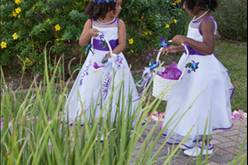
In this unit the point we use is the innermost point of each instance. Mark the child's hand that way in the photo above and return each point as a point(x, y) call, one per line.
point(171, 49)
point(93, 32)
point(179, 39)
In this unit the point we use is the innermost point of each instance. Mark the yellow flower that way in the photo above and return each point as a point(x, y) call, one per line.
point(18, 2)
point(131, 41)
point(146, 33)
point(48, 20)
point(28, 62)
point(15, 36)
point(178, 1)
point(4, 45)
point(175, 21)
point(18, 10)
point(167, 26)
point(14, 14)
point(57, 27)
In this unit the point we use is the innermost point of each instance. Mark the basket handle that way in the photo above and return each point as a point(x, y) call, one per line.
point(186, 49)
point(107, 42)
point(159, 54)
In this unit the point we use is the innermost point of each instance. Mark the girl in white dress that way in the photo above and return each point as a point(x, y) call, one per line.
point(200, 102)
point(103, 75)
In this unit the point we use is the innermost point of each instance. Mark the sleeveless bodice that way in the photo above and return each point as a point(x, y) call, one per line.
point(194, 32)
point(109, 31)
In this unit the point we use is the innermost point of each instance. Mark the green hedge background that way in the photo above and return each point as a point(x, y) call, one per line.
point(232, 19)
point(27, 26)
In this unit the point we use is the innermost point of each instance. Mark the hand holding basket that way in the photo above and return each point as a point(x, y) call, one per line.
point(165, 79)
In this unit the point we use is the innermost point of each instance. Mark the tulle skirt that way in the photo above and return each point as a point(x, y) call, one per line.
point(200, 102)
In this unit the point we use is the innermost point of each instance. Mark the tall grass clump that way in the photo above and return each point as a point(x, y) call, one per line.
point(33, 130)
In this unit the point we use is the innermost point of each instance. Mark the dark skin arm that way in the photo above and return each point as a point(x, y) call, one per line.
point(205, 47)
point(173, 49)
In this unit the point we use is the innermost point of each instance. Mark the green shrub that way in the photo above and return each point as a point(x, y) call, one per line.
point(149, 20)
point(27, 26)
point(232, 19)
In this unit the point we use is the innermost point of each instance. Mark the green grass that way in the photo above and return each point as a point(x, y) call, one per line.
point(34, 134)
point(234, 56)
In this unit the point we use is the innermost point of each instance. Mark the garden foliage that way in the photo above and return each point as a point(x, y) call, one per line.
point(27, 26)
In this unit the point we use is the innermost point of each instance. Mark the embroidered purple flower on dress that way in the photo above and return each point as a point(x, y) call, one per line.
point(85, 73)
point(119, 61)
point(97, 66)
point(106, 85)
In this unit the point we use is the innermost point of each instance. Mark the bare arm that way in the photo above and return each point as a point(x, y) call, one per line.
point(207, 45)
point(173, 49)
point(87, 33)
point(122, 38)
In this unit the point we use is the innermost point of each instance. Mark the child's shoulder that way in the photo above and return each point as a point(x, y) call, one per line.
point(208, 22)
point(88, 22)
point(208, 19)
point(121, 22)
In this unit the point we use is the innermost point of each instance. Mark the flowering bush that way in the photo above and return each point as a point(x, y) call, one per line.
point(149, 20)
point(27, 26)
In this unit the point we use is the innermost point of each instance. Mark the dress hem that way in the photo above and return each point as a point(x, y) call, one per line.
point(195, 140)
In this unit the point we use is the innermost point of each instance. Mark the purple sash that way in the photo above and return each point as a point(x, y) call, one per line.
point(101, 45)
point(194, 52)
